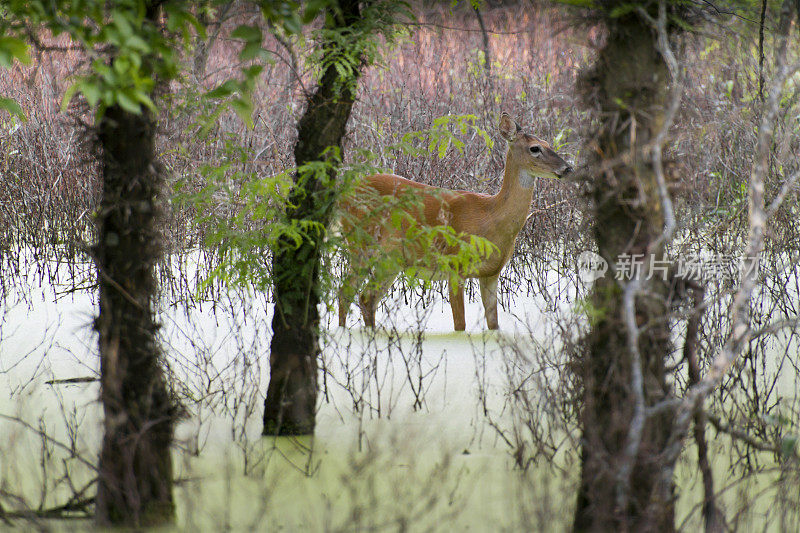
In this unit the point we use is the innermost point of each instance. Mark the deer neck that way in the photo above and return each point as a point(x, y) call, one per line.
point(512, 203)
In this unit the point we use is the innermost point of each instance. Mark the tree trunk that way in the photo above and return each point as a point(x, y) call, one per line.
point(290, 406)
point(135, 473)
point(628, 88)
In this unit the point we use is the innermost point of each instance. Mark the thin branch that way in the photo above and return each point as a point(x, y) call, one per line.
point(669, 117)
point(634, 437)
point(775, 327)
point(33, 37)
point(738, 434)
point(84, 379)
point(468, 30)
point(724, 11)
point(785, 188)
point(740, 320)
point(50, 439)
point(546, 208)
point(714, 519)
point(761, 51)
point(293, 62)
point(487, 60)
point(61, 512)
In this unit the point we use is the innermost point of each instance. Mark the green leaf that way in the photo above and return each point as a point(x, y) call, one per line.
point(91, 91)
point(178, 19)
point(135, 42)
point(12, 48)
point(68, 94)
point(442, 150)
point(293, 25)
point(122, 23)
point(12, 107)
point(397, 218)
point(622, 10)
point(244, 109)
point(253, 70)
point(224, 90)
point(253, 50)
point(128, 100)
point(121, 65)
point(144, 98)
point(313, 8)
point(788, 445)
point(249, 34)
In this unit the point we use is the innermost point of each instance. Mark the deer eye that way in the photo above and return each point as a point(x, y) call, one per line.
point(536, 150)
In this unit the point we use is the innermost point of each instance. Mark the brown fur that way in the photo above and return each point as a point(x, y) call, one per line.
point(498, 218)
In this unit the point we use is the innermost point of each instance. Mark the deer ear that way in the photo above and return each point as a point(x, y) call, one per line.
point(508, 128)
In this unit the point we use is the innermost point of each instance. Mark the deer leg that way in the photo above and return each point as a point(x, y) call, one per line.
point(347, 293)
point(351, 282)
point(489, 298)
point(367, 304)
point(370, 298)
point(344, 307)
point(457, 304)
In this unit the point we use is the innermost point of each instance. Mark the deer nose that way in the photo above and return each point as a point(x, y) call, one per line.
point(566, 170)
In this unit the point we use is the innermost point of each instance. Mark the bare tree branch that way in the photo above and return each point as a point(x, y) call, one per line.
point(50, 439)
point(634, 437)
point(739, 311)
point(738, 434)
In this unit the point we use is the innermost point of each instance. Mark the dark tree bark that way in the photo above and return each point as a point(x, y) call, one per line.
point(289, 408)
point(135, 482)
point(135, 472)
point(487, 65)
point(627, 87)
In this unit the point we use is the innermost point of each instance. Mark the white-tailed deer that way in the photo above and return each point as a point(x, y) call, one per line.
point(497, 218)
